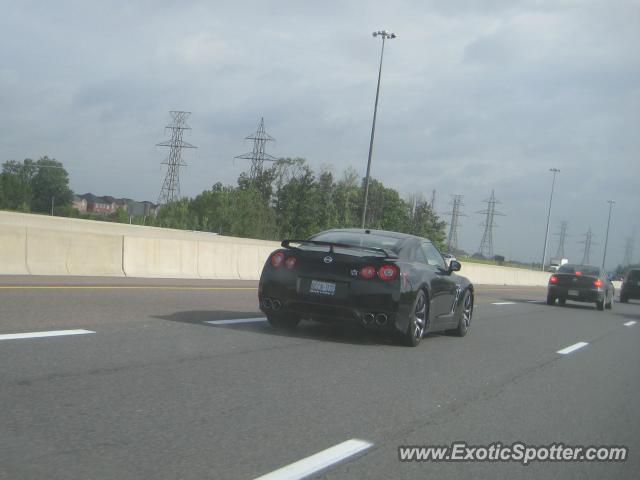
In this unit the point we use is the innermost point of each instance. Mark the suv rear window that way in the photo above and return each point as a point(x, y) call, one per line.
point(585, 269)
point(633, 275)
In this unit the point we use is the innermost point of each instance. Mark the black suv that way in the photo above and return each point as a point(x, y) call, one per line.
point(630, 286)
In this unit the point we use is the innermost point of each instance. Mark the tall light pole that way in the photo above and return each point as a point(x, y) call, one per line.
point(385, 35)
point(555, 171)
point(606, 239)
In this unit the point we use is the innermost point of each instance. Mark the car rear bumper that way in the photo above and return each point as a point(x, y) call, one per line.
point(376, 310)
point(577, 294)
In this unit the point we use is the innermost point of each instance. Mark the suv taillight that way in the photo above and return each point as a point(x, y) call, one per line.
point(553, 279)
point(597, 283)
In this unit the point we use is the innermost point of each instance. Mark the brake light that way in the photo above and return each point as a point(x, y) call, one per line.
point(553, 279)
point(597, 283)
point(290, 263)
point(368, 272)
point(277, 259)
point(388, 272)
point(578, 274)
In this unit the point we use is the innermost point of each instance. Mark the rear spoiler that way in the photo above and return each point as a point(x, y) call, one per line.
point(331, 245)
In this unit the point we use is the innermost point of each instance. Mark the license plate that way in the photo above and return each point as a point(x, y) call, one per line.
point(322, 288)
point(573, 293)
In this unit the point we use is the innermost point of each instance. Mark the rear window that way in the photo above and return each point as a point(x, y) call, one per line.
point(633, 275)
point(362, 240)
point(584, 269)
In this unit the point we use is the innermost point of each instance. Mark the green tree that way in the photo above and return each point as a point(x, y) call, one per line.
point(424, 222)
point(177, 214)
point(15, 185)
point(252, 217)
point(348, 200)
point(297, 206)
point(50, 181)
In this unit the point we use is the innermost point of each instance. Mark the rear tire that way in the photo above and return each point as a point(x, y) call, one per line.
point(466, 313)
point(562, 301)
point(551, 299)
point(600, 305)
point(624, 299)
point(418, 321)
point(283, 321)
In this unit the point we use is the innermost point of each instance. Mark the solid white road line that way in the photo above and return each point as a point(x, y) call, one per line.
point(503, 303)
point(630, 324)
point(319, 461)
point(572, 348)
point(237, 320)
point(53, 333)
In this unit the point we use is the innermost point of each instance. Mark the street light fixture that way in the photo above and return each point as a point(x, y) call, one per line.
point(606, 240)
point(385, 35)
point(555, 171)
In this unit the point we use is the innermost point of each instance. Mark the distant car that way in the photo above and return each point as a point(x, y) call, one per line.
point(630, 286)
point(384, 281)
point(580, 283)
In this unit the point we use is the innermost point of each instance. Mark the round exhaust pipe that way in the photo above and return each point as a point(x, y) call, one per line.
point(368, 318)
point(277, 304)
point(266, 302)
point(381, 319)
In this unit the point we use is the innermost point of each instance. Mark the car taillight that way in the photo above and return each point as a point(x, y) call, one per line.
point(553, 279)
point(290, 263)
point(368, 272)
point(597, 283)
point(578, 274)
point(277, 259)
point(388, 272)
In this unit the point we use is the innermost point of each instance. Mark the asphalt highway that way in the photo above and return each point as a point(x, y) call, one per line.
point(131, 382)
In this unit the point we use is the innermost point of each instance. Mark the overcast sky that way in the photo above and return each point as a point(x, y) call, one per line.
point(476, 96)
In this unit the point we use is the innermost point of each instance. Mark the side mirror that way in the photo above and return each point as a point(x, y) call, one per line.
point(454, 266)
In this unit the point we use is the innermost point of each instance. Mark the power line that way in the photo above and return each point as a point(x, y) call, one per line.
point(171, 186)
point(588, 243)
point(258, 155)
point(486, 245)
point(454, 225)
point(628, 249)
point(563, 236)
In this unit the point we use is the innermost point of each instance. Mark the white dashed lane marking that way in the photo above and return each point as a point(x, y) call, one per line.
point(52, 333)
point(630, 324)
point(503, 303)
point(236, 320)
point(572, 348)
point(319, 461)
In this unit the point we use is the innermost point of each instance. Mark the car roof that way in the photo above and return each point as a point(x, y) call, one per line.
point(382, 233)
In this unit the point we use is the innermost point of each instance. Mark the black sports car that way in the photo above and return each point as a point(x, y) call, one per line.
point(580, 283)
point(385, 281)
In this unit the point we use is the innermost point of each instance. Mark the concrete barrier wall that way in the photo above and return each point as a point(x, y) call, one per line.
point(13, 250)
point(44, 245)
point(481, 274)
point(160, 257)
point(51, 252)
